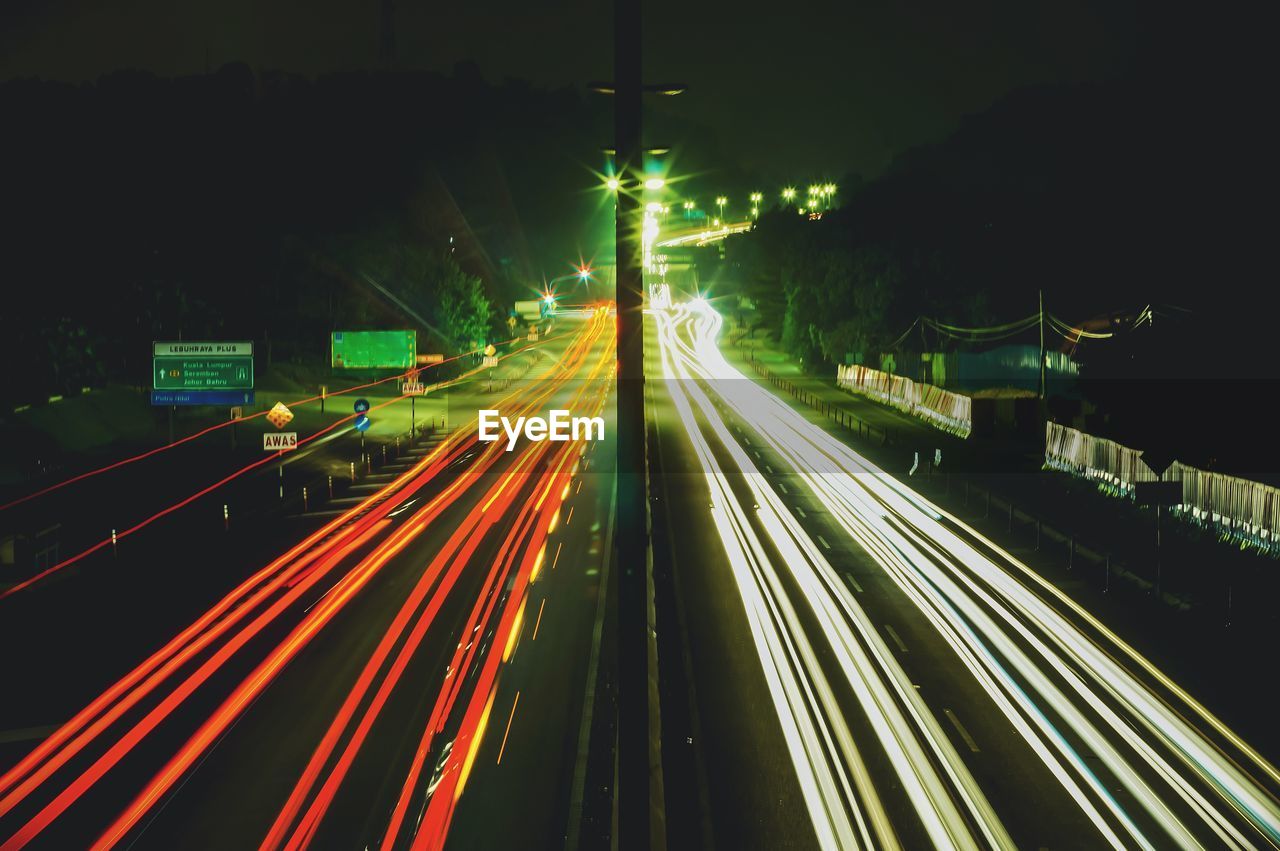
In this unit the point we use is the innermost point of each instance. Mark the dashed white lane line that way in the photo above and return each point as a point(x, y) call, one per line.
point(964, 734)
point(897, 639)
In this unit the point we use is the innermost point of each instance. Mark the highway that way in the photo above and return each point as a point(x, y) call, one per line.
point(860, 669)
point(411, 674)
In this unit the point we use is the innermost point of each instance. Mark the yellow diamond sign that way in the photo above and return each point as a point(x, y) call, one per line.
point(279, 416)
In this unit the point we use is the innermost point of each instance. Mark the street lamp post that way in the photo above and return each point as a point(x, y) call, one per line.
point(630, 581)
point(720, 202)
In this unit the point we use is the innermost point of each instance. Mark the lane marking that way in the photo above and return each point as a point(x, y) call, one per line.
point(897, 639)
point(557, 558)
point(964, 734)
point(578, 489)
point(853, 582)
point(510, 718)
point(538, 622)
point(768, 469)
point(568, 519)
point(800, 511)
point(823, 541)
point(782, 486)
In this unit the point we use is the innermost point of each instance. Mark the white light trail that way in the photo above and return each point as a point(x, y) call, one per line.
point(1051, 669)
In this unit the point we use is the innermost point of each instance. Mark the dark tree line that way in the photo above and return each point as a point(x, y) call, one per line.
point(1107, 197)
point(251, 205)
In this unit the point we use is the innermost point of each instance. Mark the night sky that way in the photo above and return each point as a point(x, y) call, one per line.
point(805, 87)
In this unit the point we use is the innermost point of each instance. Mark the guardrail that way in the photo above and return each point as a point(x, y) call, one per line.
point(1240, 510)
point(950, 412)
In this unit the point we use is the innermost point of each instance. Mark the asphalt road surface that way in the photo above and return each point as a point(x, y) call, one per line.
point(412, 673)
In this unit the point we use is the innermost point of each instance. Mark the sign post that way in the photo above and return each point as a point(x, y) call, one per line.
point(413, 388)
point(1158, 492)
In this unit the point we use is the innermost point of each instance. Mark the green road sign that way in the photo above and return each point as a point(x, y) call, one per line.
point(202, 373)
point(374, 349)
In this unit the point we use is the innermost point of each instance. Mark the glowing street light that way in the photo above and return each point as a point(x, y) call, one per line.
point(720, 202)
point(789, 193)
point(613, 184)
point(654, 183)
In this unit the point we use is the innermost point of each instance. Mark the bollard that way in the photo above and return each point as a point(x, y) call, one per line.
point(353, 471)
point(1228, 623)
point(1071, 553)
point(226, 518)
point(1107, 582)
point(114, 551)
point(305, 504)
point(282, 478)
point(1010, 515)
point(331, 487)
point(384, 455)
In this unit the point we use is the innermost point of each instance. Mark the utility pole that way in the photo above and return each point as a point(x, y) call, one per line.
point(632, 535)
point(1042, 353)
point(634, 795)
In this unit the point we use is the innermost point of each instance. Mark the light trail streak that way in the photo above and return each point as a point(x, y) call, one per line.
point(1035, 661)
point(933, 802)
point(474, 530)
point(282, 584)
point(433, 822)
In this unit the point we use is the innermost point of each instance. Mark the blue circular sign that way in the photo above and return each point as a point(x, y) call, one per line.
point(362, 423)
point(362, 405)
